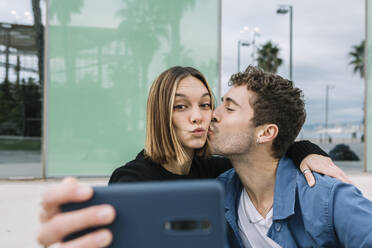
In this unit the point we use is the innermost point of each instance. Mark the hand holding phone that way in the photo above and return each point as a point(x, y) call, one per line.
point(55, 225)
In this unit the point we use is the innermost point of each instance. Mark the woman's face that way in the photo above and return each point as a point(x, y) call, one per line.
point(192, 113)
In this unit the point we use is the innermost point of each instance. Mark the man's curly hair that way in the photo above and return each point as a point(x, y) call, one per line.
point(276, 101)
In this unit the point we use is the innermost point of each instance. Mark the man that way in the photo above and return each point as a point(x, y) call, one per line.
point(260, 116)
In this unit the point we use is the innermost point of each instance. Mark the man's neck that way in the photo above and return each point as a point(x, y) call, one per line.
point(257, 174)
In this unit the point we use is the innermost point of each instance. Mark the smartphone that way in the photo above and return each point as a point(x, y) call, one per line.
point(174, 214)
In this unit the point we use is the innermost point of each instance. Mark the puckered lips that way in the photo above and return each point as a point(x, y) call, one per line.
point(198, 132)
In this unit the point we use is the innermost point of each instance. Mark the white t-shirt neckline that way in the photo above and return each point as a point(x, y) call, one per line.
point(253, 227)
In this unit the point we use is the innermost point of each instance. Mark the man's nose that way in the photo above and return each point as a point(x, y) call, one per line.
point(215, 116)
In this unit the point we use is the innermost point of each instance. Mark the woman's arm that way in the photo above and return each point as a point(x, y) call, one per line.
point(299, 150)
point(308, 156)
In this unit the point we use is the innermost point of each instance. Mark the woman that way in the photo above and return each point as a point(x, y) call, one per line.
point(179, 112)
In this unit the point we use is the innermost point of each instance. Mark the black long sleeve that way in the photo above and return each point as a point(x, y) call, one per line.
point(300, 149)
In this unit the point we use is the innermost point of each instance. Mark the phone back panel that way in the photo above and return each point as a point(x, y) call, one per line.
point(163, 214)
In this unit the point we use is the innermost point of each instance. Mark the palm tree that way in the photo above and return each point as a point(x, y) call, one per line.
point(63, 11)
point(176, 10)
point(268, 57)
point(357, 58)
point(357, 61)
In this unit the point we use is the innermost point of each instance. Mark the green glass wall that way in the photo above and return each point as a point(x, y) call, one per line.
point(102, 58)
point(368, 79)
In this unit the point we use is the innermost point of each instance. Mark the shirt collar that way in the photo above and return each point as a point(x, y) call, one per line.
point(284, 193)
point(233, 189)
point(285, 189)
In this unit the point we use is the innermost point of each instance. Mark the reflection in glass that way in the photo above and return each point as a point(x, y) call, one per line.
point(100, 71)
point(21, 89)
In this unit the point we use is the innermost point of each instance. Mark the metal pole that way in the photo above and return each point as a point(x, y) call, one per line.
point(326, 115)
point(366, 88)
point(45, 92)
point(290, 40)
point(7, 56)
point(253, 48)
point(238, 55)
point(18, 69)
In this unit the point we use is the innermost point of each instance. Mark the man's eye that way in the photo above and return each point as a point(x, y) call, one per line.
point(179, 106)
point(206, 105)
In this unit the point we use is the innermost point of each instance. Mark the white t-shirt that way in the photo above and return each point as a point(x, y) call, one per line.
point(252, 226)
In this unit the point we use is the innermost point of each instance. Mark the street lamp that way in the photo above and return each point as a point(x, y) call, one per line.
point(255, 33)
point(15, 15)
point(241, 43)
point(328, 87)
point(282, 10)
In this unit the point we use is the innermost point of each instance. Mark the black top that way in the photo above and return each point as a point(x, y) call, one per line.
point(144, 169)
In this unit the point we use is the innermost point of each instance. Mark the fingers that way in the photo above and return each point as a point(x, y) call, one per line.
point(45, 215)
point(323, 165)
point(340, 174)
point(308, 175)
point(334, 171)
point(310, 179)
point(57, 225)
point(100, 238)
point(303, 166)
point(70, 222)
point(67, 191)
point(346, 179)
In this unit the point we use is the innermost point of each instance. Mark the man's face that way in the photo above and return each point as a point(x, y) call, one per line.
point(232, 132)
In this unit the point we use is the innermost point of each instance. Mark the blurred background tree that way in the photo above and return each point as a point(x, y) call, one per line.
point(357, 58)
point(268, 57)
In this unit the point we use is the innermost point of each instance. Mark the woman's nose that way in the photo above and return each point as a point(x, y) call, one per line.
point(196, 116)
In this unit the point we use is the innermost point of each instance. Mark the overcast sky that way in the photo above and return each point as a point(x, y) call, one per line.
point(323, 33)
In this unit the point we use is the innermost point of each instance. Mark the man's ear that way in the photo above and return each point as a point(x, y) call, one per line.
point(267, 133)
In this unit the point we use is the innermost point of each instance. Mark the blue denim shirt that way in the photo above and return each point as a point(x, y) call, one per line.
point(331, 214)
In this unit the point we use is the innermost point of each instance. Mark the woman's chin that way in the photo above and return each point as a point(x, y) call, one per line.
point(195, 145)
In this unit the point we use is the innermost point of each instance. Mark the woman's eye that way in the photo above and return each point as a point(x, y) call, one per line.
point(206, 105)
point(230, 109)
point(179, 106)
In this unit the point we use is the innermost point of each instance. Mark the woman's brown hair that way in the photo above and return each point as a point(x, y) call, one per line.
point(162, 144)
